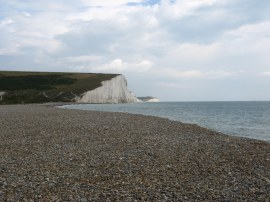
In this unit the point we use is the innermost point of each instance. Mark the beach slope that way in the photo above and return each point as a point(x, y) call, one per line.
point(52, 154)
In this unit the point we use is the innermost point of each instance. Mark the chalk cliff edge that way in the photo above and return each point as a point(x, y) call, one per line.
point(111, 91)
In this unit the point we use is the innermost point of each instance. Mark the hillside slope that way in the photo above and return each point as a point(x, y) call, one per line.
point(40, 87)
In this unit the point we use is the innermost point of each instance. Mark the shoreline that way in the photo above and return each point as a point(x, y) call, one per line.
point(62, 106)
point(49, 153)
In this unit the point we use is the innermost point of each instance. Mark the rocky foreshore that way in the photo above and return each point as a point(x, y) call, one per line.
point(52, 154)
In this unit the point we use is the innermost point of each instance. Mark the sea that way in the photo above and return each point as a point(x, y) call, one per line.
point(245, 119)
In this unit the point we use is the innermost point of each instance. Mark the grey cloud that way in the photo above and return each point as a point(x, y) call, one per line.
point(206, 24)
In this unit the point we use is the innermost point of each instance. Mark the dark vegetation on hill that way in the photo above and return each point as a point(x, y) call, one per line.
point(40, 87)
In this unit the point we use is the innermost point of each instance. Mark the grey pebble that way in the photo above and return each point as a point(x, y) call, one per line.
point(52, 154)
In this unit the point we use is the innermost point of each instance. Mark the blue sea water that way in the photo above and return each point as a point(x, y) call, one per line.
point(245, 119)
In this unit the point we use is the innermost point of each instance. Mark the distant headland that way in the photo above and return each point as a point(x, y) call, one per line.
point(148, 99)
point(41, 87)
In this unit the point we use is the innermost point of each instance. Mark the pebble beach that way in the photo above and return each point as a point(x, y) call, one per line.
point(53, 154)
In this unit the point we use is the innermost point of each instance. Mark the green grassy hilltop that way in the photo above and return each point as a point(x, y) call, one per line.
point(40, 87)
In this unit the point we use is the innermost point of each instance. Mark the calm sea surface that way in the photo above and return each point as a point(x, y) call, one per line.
point(246, 119)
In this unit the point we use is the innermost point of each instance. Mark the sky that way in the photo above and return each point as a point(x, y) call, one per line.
point(176, 50)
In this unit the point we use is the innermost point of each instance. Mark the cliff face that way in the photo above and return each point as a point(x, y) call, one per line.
point(111, 91)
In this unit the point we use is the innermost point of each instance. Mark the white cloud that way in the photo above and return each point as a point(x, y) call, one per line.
point(194, 74)
point(108, 3)
point(118, 65)
point(254, 33)
point(115, 65)
point(246, 47)
point(83, 58)
point(223, 74)
point(5, 22)
point(26, 14)
point(179, 8)
point(183, 74)
point(187, 53)
point(168, 84)
point(265, 73)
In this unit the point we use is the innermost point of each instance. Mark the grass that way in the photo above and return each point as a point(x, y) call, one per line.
point(39, 87)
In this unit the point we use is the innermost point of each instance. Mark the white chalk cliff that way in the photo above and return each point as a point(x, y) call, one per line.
point(111, 91)
point(1, 95)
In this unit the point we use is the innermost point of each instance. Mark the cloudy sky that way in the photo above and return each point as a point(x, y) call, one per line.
point(177, 50)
